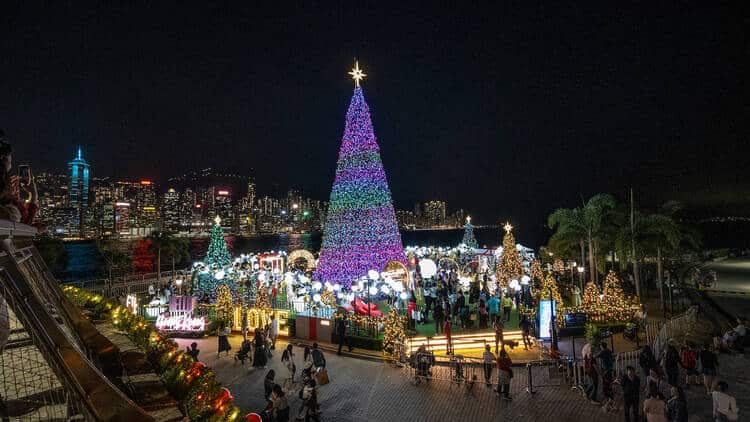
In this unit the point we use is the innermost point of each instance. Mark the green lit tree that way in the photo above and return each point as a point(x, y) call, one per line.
point(217, 247)
point(469, 239)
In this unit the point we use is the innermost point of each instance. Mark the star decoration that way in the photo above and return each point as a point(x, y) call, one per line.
point(507, 227)
point(357, 74)
point(217, 220)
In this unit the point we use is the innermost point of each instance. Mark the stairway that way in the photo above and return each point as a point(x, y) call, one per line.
point(462, 341)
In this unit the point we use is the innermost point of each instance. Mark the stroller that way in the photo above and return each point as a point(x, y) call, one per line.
point(422, 362)
point(244, 352)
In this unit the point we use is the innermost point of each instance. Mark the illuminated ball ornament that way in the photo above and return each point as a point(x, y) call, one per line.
point(360, 233)
point(428, 268)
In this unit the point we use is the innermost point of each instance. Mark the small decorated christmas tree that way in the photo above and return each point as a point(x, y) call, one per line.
point(558, 267)
point(590, 300)
point(224, 304)
point(469, 240)
point(549, 289)
point(510, 267)
point(537, 275)
point(217, 247)
point(614, 305)
point(394, 335)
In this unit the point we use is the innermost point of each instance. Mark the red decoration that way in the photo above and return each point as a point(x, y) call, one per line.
point(253, 417)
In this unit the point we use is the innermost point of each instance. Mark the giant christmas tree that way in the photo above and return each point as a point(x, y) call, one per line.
point(217, 248)
point(360, 232)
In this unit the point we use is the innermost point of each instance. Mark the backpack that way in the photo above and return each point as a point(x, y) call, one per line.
point(318, 358)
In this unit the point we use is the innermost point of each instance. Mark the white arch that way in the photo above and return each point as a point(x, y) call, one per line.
point(304, 254)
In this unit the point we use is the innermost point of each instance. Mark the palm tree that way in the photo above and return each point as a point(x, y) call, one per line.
point(171, 245)
point(583, 224)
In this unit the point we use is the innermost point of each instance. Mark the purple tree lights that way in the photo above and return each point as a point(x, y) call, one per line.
point(361, 233)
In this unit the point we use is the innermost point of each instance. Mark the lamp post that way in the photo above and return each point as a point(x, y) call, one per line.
point(178, 282)
point(552, 317)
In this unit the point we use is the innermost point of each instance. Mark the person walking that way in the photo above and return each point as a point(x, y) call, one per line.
point(592, 376)
point(499, 327)
point(493, 306)
point(709, 362)
point(341, 332)
point(319, 361)
point(724, 406)
point(287, 359)
point(222, 334)
point(677, 406)
point(507, 306)
point(689, 360)
point(525, 326)
point(489, 361)
point(439, 317)
point(654, 408)
point(273, 331)
point(631, 389)
point(504, 374)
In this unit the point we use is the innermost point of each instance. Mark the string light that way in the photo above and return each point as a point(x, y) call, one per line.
point(469, 240)
point(361, 233)
point(510, 267)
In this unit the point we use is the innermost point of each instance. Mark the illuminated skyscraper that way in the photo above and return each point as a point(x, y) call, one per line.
point(78, 198)
point(79, 181)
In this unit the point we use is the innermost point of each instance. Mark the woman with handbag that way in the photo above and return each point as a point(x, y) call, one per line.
point(504, 374)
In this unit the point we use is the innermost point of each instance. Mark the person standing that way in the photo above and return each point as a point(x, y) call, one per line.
point(525, 326)
point(688, 360)
point(341, 332)
point(193, 351)
point(499, 327)
point(287, 358)
point(489, 361)
point(447, 334)
point(672, 365)
point(260, 358)
point(709, 362)
point(724, 406)
point(654, 407)
point(279, 405)
point(222, 334)
point(677, 406)
point(273, 331)
point(268, 383)
point(493, 306)
point(504, 374)
point(592, 376)
point(411, 309)
point(507, 306)
point(310, 408)
point(631, 388)
point(646, 360)
point(439, 317)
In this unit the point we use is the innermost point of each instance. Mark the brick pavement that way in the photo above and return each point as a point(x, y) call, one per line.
point(375, 391)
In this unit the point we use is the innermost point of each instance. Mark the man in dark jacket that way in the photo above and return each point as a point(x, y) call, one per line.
point(341, 332)
point(631, 386)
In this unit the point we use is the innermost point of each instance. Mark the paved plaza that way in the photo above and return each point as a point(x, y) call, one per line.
point(373, 391)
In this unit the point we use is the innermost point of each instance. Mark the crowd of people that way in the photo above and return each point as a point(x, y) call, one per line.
point(665, 380)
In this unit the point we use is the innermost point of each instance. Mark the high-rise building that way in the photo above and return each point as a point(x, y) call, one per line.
point(78, 192)
point(223, 206)
point(171, 210)
point(406, 219)
point(146, 211)
point(434, 213)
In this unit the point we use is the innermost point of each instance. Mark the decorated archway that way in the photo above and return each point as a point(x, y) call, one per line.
point(396, 271)
point(447, 264)
point(301, 259)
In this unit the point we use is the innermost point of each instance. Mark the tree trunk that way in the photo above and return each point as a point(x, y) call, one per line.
point(659, 275)
point(592, 262)
point(636, 274)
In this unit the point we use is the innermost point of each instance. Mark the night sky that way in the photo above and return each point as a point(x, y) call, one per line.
point(507, 111)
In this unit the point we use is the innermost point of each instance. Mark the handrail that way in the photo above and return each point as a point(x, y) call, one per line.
point(101, 399)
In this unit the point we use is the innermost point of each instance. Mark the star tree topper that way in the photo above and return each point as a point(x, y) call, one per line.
point(508, 227)
point(357, 73)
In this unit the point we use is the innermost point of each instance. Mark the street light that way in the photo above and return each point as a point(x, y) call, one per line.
point(178, 282)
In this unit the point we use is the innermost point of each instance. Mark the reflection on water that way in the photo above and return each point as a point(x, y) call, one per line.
point(83, 263)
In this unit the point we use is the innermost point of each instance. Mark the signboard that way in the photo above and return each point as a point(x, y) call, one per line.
point(546, 308)
point(577, 319)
